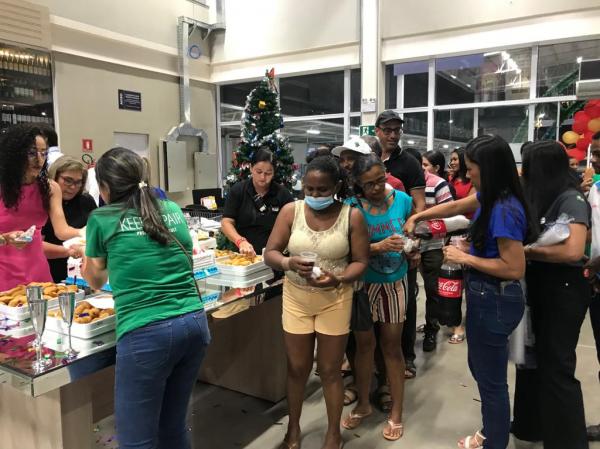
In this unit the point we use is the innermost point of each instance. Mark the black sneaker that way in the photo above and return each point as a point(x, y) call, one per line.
point(593, 433)
point(429, 342)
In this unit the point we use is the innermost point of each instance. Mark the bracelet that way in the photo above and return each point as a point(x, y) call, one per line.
point(239, 241)
point(2, 240)
point(285, 264)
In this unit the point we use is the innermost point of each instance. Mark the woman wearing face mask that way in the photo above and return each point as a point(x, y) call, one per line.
point(70, 174)
point(253, 205)
point(494, 266)
point(27, 198)
point(318, 306)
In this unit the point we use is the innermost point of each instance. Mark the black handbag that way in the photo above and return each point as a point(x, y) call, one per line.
point(361, 318)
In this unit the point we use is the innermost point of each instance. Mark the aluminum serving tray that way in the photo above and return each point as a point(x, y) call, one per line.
point(22, 313)
point(240, 271)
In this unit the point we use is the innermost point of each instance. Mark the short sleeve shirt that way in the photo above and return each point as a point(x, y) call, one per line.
point(574, 205)
point(254, 220)
point(390, 266)
point(150, 282)
point(507, 220)
point(407, 169)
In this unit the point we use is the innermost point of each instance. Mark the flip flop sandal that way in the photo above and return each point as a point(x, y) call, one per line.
point(353, 420)
point(456, 339)
point(350, 395)
point(421, 328)
point(466, 444)
point(393, 426)
point(410, 372)
point(286, 445)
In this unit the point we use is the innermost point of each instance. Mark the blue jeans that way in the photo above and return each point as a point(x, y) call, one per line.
point(157, 366)
point(494, 309)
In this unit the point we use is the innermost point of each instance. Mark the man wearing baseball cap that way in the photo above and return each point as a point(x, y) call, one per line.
point(388, 128)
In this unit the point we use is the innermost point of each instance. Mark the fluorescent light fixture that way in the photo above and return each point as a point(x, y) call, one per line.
point(579, 59)
point(410, 142)
point(491, 53)
point(313, 131)
point(450, 121)
point(542, 115)
point(468, 85)
point(446, 146)
point(453, 77)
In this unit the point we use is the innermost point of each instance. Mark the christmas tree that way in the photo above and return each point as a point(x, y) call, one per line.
point(261, 122)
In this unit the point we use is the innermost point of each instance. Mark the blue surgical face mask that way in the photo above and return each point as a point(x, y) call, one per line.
point(318, 203)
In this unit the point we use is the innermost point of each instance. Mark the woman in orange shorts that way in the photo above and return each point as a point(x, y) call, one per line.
point(318, 304)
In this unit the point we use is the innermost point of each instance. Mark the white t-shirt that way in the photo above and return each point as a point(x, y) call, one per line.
point(594, 200)
point(92, 185)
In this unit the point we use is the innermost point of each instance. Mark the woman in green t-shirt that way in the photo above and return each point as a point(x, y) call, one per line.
point(143, 244)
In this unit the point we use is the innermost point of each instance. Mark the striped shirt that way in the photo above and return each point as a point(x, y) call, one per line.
point(437, 191)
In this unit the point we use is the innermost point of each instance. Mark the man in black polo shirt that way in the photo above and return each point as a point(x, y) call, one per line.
point(388, 128)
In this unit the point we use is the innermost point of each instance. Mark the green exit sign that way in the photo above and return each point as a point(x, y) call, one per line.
point(367, 130)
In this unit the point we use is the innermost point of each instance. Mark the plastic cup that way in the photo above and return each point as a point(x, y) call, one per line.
point(309, 257)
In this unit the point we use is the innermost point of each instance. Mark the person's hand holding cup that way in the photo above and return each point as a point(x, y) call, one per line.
point(304, 263)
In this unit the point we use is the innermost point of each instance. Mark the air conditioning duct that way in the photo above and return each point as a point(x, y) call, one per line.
point(588, 85)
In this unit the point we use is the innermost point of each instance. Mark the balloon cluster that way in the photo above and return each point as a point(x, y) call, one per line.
point(586, 123)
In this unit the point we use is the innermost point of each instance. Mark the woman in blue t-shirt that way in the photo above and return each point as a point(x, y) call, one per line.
point(494, 266)
point(385, 211)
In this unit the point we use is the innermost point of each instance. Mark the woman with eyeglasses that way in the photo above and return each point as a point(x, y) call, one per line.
point(71, 175)
point(27, 198)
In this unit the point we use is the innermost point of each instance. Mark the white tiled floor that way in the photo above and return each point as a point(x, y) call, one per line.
point(440, 407)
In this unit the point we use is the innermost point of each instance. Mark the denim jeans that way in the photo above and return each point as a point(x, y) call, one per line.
point(494, 309)
point(157, 366)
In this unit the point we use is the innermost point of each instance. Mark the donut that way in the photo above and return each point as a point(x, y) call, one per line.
point(94, 312)
point(83, 319)
point(6, 299)
point(72, 288)
point(19, 301)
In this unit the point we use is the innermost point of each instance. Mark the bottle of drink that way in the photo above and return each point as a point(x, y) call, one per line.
point(450, 284)
point(432, 229)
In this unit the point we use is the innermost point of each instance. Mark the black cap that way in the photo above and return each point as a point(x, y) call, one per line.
point(387, 116)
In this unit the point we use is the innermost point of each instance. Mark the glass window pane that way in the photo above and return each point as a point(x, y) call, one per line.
point(230, 139)
point(493, 76)
point(354, 126)
point(455, 127)
point(414, 79)
point(355, 79)
point(567, 110)
point(558, 68)
point(511, 123)
point(545, 121)
point(319, 93)
point(415, 130)
point(307, 135)
point(233, 100)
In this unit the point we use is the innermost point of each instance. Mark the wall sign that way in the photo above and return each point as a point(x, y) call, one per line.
point(367, 130)
point(131, 101)
point(87, 145)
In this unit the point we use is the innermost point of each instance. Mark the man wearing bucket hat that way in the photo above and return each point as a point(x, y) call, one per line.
point(388, 128)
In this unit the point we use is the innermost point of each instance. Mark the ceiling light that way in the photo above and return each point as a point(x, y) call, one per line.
point(44, 114)
point(313, 131)
point(491, 53)
point(446, 146)
point(450, 121)
point(468, 85)
point(453, 77)
point(579, 59)
point(542, 115)
point(410, 142)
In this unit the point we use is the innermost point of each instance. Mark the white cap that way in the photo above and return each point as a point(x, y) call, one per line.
point(353, 144)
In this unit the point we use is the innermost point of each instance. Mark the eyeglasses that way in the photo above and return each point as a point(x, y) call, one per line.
point(34, 153)
point(368, 186)
point(70, 182)
point(390, 131)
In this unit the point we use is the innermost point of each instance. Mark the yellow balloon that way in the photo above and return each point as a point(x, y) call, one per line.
point(594, 125)
point(570, 137)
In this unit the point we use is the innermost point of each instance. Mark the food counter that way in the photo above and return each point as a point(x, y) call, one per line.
point(58, 406)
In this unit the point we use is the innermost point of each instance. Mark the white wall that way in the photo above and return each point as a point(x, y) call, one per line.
point(414, 29)
point(293, 36)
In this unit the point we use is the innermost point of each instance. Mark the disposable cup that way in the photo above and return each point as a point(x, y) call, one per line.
point(309, 256)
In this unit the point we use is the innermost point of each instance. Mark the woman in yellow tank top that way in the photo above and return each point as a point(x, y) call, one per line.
point(318, 304)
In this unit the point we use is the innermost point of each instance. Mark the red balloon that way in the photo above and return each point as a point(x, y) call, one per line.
point(581, 116)
point(588, 135)
point(583, 143)
point(594, 111)
point(580, 127)
point(577, 154)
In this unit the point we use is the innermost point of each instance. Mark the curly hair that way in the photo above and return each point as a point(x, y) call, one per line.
point(15, 143)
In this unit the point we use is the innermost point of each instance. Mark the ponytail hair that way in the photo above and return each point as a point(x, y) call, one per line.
point(126, 176)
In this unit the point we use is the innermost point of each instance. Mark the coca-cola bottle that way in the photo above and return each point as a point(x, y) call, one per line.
point(433, 229)
point(450, 284)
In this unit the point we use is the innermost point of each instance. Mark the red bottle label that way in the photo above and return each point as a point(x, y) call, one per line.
point(437, 228)
point(450, 288)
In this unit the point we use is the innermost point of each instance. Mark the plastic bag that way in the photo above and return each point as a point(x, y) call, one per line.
point(27, 236)
point(554, 233)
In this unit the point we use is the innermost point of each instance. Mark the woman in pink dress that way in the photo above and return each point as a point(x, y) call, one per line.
point(27, 198)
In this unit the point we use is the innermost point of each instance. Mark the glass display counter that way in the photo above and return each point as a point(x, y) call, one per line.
point(60, 404)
